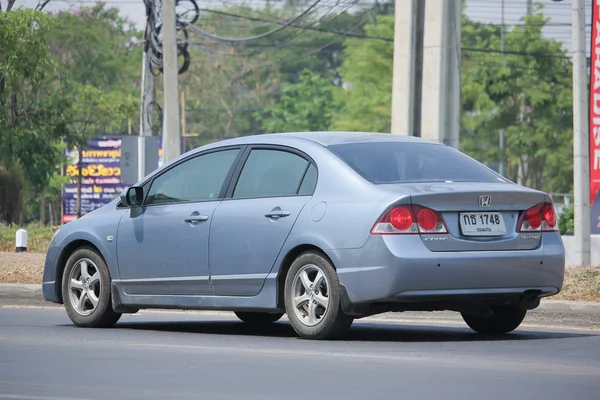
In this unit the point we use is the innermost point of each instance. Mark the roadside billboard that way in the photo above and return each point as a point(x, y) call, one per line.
point(594, 115)
point(101, 175)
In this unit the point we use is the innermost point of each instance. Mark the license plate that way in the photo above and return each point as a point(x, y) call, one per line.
point(482, 224)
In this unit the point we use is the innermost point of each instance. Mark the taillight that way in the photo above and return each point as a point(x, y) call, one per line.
point(407, 219)
point(539, 218)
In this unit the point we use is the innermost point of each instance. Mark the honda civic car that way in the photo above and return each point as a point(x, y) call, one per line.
point(324, 227)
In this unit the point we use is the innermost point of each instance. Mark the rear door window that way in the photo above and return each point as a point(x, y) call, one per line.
point(272, 173)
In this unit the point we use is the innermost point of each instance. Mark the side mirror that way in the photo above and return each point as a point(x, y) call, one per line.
point(132, 197)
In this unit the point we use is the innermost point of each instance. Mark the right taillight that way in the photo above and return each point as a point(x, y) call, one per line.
point(407, 219)
point(539, 218)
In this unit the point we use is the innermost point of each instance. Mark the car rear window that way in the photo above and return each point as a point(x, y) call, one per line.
point(402, 162)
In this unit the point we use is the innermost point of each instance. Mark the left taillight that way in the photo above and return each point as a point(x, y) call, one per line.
point(539, 218)
point(409, 219)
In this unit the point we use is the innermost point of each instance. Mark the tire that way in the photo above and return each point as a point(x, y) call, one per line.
point(504, 319)
point(325, 323)
point(86, 314)
point(258, 318)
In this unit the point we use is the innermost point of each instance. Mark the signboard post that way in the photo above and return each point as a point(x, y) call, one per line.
point(100, 177)
point(109, 165)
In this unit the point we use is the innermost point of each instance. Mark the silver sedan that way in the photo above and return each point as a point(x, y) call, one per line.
point(326, 227)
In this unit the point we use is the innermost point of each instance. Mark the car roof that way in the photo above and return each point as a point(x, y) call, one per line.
point(328, 138)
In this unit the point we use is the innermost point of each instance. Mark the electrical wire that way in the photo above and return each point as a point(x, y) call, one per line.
point(260, 36)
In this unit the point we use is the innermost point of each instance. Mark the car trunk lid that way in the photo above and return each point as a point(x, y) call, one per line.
point(478, 217)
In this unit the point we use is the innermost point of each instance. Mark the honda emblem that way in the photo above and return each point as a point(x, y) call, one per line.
point(485, 200)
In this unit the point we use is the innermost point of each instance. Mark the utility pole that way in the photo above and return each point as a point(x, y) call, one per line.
point(529, 7)
point(172, 131)
point(441, 72)
point(407, 67)
point(580, 137)
point(502, 151)
point(148, 97)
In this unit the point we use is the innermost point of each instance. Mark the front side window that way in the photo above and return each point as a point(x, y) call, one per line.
point(198, 179)
point(269, 173)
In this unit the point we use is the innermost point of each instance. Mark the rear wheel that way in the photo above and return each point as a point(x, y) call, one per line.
point(313, 298)
point(503, 319)
point(258, 318)
point(86, 290)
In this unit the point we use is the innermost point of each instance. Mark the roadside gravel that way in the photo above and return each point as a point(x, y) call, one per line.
point(21, 267)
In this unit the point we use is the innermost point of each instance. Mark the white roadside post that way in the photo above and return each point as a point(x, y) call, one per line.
point(21, 241)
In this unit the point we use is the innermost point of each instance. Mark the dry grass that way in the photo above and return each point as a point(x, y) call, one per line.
point(580, 283)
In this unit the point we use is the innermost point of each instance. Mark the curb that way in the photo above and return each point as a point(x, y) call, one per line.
point(31, 294)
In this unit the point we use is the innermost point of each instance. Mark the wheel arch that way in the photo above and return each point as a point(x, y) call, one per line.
point(68, 250)
point(287, 262)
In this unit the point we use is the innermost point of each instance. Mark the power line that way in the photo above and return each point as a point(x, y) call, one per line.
point(369, 37)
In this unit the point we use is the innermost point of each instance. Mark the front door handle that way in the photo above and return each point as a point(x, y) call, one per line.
point(196, 218)
point(277, 214)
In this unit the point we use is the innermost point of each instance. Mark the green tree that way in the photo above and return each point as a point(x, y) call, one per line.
point(96, 46)
point(527, 92)
point(31, 105)
point(367, 75)
point(304, 106)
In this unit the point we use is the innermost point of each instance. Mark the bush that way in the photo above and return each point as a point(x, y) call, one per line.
point(566, 221)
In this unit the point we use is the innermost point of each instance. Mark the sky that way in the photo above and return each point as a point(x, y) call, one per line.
point(480, 10)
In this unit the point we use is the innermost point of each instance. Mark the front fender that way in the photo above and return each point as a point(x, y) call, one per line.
point(105, 244)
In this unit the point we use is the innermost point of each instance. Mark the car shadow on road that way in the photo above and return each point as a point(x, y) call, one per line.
point(359, 332)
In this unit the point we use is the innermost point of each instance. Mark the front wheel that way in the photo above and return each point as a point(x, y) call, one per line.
point(313, 298)
point(86, 290)
point(504, 319)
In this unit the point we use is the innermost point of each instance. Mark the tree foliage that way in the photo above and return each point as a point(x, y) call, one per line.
point(30, 106)
point(67, 76)
point(304, 106)
point(54, 70)
point(527, 96)
point(367, 75)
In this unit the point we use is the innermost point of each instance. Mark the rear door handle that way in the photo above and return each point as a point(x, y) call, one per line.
point(196, 218)
point(277, 214)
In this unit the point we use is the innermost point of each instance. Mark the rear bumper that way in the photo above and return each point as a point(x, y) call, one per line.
point(389, 269)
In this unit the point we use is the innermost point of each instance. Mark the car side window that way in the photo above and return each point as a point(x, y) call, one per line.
point(309, 182)
point(269, 173)
point(198, 179)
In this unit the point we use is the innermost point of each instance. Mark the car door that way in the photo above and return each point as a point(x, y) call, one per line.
point(162, 247)
point(251, 225)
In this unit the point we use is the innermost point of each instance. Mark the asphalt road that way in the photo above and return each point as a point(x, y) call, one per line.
point(159, 355)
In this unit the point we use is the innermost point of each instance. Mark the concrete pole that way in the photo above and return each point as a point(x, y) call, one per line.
point(172, 132)
point(148, 97)
point(502, 169)
point(441, 72)
point(580, 136)
point(405, 67)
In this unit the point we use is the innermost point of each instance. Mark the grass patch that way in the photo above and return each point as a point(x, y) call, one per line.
point(580, 284)
point(39, 237)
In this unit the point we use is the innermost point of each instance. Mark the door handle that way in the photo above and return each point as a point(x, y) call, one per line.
point(277, 214)
point(196, 218)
